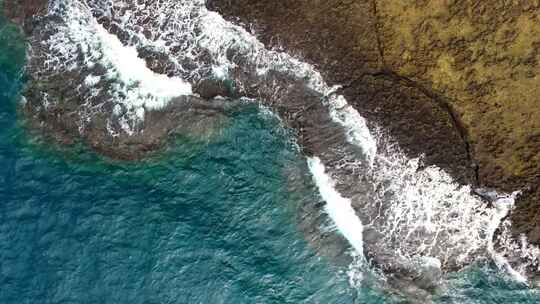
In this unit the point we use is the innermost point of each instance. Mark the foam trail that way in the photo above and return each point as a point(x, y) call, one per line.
point(338, 208)
point(503, 206)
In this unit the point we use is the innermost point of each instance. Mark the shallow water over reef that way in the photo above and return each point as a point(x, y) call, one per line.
point(205, 222)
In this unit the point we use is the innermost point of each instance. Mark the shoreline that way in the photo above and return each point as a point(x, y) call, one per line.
point(421, 119)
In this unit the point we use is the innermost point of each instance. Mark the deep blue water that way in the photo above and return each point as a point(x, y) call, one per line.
point(206, 222)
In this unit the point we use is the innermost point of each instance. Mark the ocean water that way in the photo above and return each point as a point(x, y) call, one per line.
point(205, 222)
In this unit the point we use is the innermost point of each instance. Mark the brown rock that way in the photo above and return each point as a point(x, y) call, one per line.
point(21, 11)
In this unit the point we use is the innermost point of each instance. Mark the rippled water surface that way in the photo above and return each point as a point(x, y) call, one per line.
point(207, 222)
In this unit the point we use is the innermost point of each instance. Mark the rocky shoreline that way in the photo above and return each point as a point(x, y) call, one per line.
point(82, 93)
point(389, 57)
point(63, 107)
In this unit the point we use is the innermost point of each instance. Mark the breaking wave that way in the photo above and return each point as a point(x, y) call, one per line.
point(338, 208)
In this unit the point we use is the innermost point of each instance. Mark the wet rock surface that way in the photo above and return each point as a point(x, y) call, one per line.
point(485, 58)
point(22, 11)
point(187, 116)
point(79, 101)
point(454, 80)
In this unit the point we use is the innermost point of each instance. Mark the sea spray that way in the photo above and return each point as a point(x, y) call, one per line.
point(186, 30)
point(143, 86)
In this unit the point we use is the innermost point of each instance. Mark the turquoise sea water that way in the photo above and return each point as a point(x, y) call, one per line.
point(206, 222)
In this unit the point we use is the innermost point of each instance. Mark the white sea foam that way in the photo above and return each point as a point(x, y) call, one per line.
point(527, 254)
point(142, 86)
point(503, 206)
point(355, 125)
point(133, 84)
point(426, 213)
point(91, 80)
point(339, 209)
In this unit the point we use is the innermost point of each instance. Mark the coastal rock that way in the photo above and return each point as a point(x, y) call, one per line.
point(186, 116)
point(484, 57)
point(456, 81)
point(339, 38)
point(209, 88)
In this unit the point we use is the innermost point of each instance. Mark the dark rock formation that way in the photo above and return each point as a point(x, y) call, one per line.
point(21, 11)
point(339, 38)
point(186, 116)
point(209, 88)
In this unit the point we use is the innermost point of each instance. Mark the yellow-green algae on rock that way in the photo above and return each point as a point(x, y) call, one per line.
point(484, 56)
